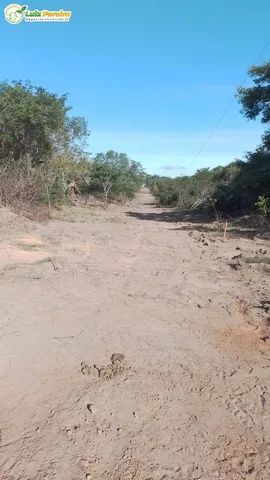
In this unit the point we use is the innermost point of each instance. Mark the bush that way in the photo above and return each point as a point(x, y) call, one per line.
point(22, 188)
point(71, 167)
point(184, 192)
point(263, 205)
point(233, 189)
point(114, 176)
point(249, 180)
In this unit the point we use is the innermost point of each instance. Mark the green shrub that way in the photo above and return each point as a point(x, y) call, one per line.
point(114, 176)
point(263, 205)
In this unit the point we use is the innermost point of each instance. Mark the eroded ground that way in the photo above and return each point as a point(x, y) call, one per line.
point(133, 347)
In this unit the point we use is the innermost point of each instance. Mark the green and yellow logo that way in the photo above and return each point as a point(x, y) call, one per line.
point(15, 13)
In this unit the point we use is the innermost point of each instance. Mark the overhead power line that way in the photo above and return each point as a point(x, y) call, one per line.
point(214, 129)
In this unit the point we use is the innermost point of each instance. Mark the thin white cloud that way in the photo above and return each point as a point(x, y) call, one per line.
point(172, 167)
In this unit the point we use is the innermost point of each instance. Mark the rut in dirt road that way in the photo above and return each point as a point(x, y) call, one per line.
point(132, 358)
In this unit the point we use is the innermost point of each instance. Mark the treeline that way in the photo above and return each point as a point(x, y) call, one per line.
point(234, 189)
point(240, 187)
point(42, 157)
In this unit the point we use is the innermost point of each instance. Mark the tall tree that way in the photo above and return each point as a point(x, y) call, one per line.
point(34, 123)
point(255, 100)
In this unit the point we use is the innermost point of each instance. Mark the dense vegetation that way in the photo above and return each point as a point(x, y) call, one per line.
point(114, 175)
point(241, 186)
point(42, 156)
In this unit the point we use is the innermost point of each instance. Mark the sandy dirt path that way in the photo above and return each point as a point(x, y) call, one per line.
point(129, 351)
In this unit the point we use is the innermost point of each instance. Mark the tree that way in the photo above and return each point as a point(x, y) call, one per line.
point(113, 174)
point(238, 187)
point(249, 179)
point(255, 100)
point(34, 124)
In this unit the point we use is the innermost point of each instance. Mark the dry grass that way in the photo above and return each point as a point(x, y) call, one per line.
point(21, 188)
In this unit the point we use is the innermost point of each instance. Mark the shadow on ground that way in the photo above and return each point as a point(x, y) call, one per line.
point(206, 224)
point(170, 216)
point(236, 232)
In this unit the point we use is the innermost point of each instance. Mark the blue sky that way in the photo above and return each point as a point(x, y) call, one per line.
point(152, 77)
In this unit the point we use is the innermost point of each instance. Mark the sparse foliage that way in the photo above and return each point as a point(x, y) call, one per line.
point(114, 176)
point(263, 205)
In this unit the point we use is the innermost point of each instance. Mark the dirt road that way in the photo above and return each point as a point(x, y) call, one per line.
point(187, 395)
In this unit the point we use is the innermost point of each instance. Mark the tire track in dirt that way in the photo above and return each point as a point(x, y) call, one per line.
point(190, 400)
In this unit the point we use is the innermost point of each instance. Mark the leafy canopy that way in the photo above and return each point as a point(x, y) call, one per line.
point(34, 123)
point(114, 175)
point(255, 100)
